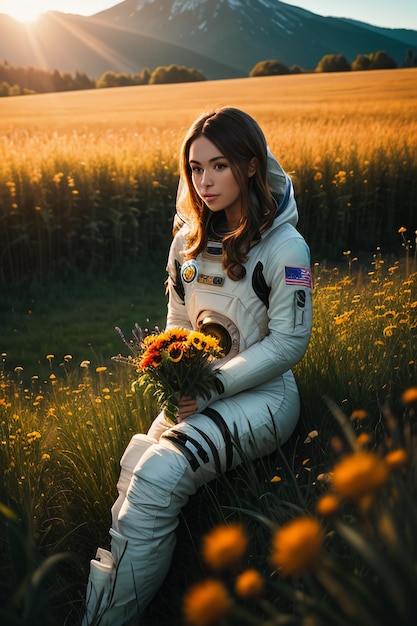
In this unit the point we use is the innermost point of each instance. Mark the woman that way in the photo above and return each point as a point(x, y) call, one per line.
point(238, 269)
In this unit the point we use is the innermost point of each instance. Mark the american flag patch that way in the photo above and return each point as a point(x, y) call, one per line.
point(298, 276)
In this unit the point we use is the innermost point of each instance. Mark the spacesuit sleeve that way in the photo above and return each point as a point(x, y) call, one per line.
point(177, 316)
point(290, 321)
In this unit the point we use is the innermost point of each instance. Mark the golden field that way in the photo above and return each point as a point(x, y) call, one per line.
point(359, 104)
point(349, 141)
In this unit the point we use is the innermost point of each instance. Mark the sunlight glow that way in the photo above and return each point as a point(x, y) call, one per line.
point(25, 10)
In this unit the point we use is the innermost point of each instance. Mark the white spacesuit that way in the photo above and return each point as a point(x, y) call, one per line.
point(264, 323)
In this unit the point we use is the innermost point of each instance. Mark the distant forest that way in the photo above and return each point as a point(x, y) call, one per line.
point(17, 81)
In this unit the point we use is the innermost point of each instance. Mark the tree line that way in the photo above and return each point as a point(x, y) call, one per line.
point(336, 63)
point(16, 81)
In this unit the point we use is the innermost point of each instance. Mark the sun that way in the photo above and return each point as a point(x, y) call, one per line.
point(24, 10)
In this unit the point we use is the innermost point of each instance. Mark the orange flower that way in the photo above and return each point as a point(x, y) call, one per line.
point(409, 396)
point(363, 439)
point(249, 584)
point(359, 474)
point(396, 458)
point(206, 603)
point(151, 357)
point(328, 504)
point(359, 414)
point(224, 546)
point(296, 545)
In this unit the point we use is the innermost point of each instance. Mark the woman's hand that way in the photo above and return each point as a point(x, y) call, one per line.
point(186, 407)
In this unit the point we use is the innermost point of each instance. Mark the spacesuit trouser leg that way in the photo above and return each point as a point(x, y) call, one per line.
point(187, 456)
point(103, 566)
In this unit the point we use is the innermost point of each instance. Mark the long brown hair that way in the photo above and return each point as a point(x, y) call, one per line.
point(240, 139)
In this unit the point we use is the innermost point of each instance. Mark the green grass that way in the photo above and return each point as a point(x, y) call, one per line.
point(77, 317)
point(62, 436)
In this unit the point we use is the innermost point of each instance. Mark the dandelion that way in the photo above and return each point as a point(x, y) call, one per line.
point(296, 545)
point(389, 330)
point(101, 368)
point(249, 584)
point(359, 474)
point(224, 546)
point(206, 603)
point(85, 364)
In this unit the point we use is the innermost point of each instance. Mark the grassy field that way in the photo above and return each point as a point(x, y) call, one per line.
point(385, 94)
point(88, 179)
point(105, 164)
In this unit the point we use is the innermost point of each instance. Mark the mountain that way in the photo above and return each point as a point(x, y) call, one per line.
point(72, 42)
point(222, 38)
point(408, 37)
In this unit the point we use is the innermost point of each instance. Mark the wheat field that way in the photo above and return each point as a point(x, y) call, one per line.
point(90, 165)
point(163, 112)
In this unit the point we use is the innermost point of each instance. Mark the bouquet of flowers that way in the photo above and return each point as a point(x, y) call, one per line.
point(173, 364)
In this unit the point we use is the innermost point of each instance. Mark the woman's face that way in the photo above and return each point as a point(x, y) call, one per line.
point(214, 180)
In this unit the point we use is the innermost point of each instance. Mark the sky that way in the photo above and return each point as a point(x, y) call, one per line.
point(387, 13)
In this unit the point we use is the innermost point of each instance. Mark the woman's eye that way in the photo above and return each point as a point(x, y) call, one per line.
point(220, 166)
point(194, 168)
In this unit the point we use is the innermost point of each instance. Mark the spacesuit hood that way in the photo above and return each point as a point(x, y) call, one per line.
point(283, 189)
